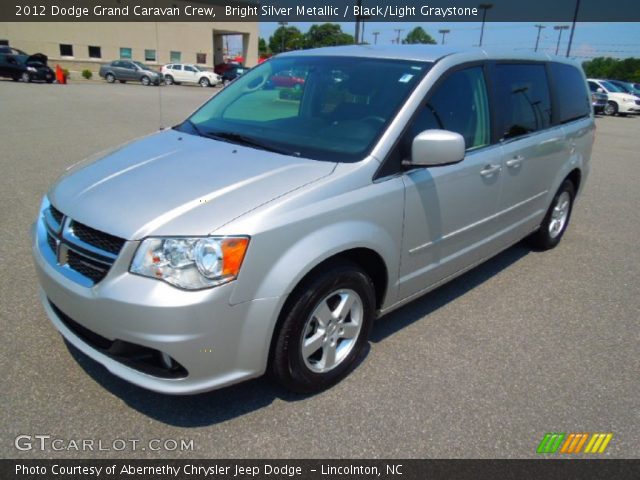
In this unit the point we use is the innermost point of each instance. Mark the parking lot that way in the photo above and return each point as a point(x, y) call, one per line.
point(483, 367)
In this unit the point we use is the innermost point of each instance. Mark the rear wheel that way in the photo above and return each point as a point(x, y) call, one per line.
point(611, 108)
point(324, 330)
point(557, 218)
point(110, 77)
point(168, 80)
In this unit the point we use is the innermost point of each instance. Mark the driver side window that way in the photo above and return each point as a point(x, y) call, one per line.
point(459, 104)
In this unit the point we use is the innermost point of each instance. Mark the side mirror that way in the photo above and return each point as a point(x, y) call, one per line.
point(600, 90)
point(436, 147)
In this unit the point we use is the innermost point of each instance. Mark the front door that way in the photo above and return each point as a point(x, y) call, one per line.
point(450, 210)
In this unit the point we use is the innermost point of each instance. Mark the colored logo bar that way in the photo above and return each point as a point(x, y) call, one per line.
point(573, 443)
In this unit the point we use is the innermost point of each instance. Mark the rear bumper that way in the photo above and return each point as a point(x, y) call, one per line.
point(217, 343)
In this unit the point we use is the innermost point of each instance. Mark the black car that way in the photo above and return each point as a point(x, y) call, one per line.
point(17, 65)
point(233, 72)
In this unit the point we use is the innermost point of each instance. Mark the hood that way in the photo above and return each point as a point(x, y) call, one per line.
point(173, 183)
point(37, 58)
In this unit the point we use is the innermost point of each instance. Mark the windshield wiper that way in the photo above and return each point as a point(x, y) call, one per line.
point(248, 141)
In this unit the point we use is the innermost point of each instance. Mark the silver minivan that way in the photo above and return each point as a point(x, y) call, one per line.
point(269, 230)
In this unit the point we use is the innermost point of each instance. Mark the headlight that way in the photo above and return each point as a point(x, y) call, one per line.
point(191, 263)
point(32, 69)
point(629, 100)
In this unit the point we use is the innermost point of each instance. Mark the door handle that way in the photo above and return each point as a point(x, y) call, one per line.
point(515, 161)
point(489, 170)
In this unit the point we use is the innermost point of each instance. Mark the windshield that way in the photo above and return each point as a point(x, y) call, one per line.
point(324, 108)
point(612, 88)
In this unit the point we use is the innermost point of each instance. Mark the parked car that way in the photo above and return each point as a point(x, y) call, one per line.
point(598, 100)
point(287, 79)
point(25, 67)
point(11, 50)
point(130, 71)
point(187, 73)
point(230, 74)
point(264, 235)
point(626, 87)
point(619, 102)
point(220, 68)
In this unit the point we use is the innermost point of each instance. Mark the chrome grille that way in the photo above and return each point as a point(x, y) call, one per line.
point(78, 248)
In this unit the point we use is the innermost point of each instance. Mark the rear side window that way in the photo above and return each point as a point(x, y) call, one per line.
point(572, 97)
point(522, 98)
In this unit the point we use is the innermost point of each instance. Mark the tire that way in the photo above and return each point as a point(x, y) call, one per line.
point(145, 81)
point(313, 311)
point(110, 77)
point(168, 80)
point(556, 220)
point(204, 82)
point(611, 109)
point(25, 77)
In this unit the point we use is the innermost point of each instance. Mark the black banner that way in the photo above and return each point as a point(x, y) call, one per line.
point(318, 10)
point(547, 469)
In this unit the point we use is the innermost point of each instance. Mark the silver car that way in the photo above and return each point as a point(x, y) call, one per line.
point(271, 228)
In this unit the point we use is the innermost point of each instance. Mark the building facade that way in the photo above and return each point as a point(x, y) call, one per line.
point(86, 45)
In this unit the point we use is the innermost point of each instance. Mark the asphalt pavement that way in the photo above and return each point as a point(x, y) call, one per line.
point(525, 344)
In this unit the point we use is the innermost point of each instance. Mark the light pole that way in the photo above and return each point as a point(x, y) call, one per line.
point(539, 27)
point(573, 26)
point(443, 32)
point(484, 7)
point(375, 37)
point(284, 32)
point(560, 28)
point(398, 31)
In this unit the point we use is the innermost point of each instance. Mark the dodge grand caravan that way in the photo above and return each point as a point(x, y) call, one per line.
point(267, 231)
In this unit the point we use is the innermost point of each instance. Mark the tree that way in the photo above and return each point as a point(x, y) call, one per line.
point(290, 37)
point(418, 35)
point(326, 35)
point(606, 67)
point(262, 47)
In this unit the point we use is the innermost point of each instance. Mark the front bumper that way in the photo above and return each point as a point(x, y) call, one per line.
point(217, 343)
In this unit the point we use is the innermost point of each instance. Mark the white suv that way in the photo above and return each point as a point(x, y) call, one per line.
point(185, 72)
point(620, 102)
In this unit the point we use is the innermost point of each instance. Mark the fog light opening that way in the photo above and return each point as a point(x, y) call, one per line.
point(166, 360)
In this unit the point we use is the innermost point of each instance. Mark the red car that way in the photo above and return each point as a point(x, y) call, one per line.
point(288, 79)
point(223, 67)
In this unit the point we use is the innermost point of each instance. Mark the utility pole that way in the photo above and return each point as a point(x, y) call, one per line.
point(284, 33)
point(443, 32)
point(539, 27)
point(573, 26)
point(398, 31)
point(560, 28)
point(484, 7)
point(375, 37)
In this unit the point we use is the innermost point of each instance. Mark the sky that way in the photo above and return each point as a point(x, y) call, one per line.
point(618, 40)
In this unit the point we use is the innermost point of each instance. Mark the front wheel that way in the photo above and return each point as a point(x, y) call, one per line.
point(325, 329)
point(145, 81)
point(204, 82)
point(26, 77)
point(611, 108)
point(557, 218)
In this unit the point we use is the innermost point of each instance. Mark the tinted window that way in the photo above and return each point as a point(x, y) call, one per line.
point(593, 86)
point(189, 69)
point(201, 58)
point(125, 52)
point(522, 99)
point(573, 99)
point(175, 56)
point(177, 67)
point(149, 55)
point(459, 105)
